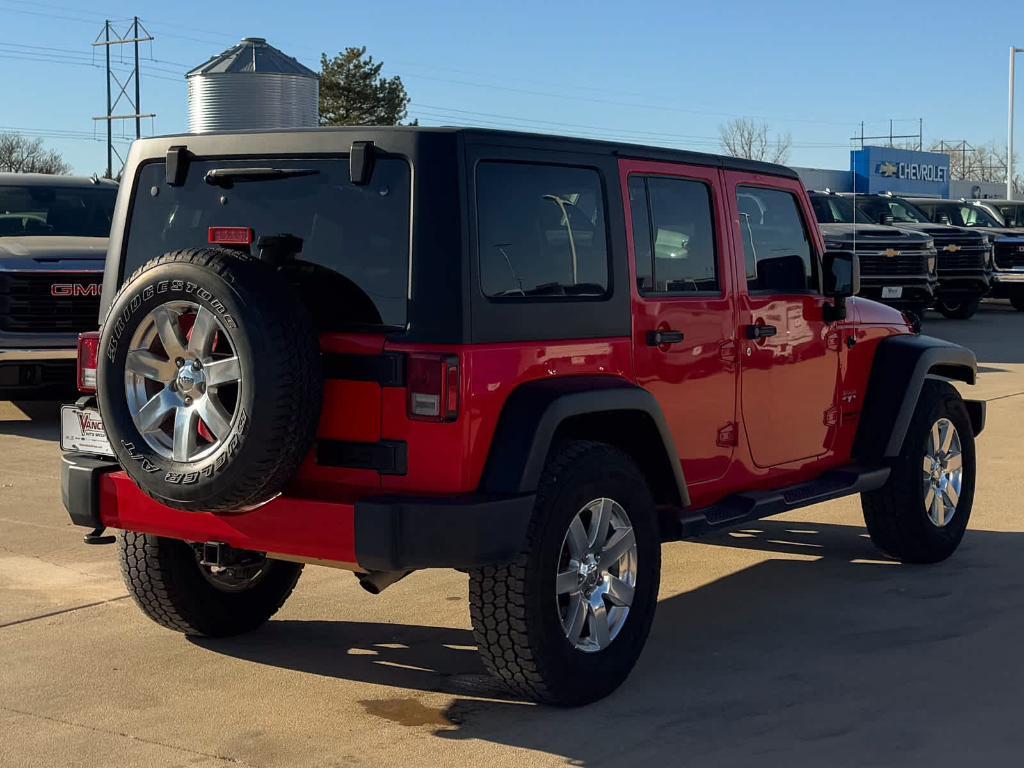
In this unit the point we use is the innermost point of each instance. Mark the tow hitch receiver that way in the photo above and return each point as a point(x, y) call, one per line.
point(216, 554)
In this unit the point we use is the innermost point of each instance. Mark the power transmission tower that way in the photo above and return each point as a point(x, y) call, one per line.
point(134, 34)
point(891, 137)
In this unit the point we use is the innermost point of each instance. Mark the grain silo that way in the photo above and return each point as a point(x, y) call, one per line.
point(252, 86)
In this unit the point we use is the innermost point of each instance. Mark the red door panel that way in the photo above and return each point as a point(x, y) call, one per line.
point(789, 381)
point(694, 380)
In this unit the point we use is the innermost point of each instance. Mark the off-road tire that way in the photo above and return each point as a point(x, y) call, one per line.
point(275, 420)
point(513, 607)
point(163, 577)
point(895, 514)
point(959, 310)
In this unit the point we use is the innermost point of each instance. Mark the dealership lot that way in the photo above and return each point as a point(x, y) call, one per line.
point(790, 641)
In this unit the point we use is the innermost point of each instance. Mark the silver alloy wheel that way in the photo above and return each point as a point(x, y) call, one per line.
point(943, 472)
point(596, 575)
point(183, 381)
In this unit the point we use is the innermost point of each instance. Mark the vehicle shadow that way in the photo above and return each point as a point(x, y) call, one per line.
point(839, 658)
point(42, 422)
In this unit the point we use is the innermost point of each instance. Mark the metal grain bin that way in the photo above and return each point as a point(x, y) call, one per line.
point(251, 86)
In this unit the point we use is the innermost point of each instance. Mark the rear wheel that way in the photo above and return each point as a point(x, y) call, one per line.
point(169, 583)
point(921, 514)
point(958, 310)
point(565, 622)
point(1017, 300)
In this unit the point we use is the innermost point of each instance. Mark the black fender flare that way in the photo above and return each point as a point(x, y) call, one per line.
point(901, 366)
point(533, 413)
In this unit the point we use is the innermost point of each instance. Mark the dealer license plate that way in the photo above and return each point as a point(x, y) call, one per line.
point(81, 429)
point(892, 292)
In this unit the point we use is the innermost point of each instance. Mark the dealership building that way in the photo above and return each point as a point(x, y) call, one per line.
point(900, 171)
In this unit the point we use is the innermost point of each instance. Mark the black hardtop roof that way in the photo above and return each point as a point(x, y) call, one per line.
point(52, 180)
point(536, 140)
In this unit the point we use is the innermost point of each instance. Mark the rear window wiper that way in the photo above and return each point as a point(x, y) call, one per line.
point(225, 177)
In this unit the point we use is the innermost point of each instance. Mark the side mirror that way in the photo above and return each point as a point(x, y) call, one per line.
point(942, 218)
point(886, 220)
point(842, 274)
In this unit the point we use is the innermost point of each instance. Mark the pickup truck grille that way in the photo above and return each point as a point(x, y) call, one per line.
point(874, 262)
point(968, 257)
point(1009, 255)
point(49, 302)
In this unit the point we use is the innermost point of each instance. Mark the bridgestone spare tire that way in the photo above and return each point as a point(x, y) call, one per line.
point(209, 380)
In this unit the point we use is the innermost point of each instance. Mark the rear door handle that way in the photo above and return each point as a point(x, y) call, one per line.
point(661, 338)
point(761, 331)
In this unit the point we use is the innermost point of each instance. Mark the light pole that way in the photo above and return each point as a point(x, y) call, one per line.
point(1009, 128)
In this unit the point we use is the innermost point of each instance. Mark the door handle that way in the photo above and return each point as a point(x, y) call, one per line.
point(660, 338)
point(761, 331)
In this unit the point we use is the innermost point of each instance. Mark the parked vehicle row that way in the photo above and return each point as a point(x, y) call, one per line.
point(53, 242)
point(965, 250)
point(1003, 222)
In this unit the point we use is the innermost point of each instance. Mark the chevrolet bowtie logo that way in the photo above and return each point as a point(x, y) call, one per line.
point(952, 248)
point(890, 253)
point(887, 169)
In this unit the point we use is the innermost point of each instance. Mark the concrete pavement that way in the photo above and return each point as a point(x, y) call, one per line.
point(789, 643)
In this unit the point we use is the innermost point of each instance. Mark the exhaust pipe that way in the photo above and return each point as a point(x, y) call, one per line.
point(376, 582)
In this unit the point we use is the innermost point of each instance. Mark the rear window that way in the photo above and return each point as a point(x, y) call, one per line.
point(541, 231)
point(358, 232)
point(36, 210)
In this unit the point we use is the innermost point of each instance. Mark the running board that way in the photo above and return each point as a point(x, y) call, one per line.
point(754, 505)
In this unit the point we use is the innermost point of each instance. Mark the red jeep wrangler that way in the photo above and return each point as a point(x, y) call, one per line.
point(531, 358)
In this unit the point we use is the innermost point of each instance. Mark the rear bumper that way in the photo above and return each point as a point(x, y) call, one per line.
point(371, 534)
point(24, 371)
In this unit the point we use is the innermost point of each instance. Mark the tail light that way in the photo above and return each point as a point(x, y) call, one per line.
point(230, 236)
point(434, 383)
point(88, 361)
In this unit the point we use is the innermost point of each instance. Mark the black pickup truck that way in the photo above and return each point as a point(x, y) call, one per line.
point(964, 255)
point(897, 266)
point(1001, 220)
point(53, 244)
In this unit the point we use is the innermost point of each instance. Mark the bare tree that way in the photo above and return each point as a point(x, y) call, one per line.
point(743, 137)
point(985, 162)
point(20, 154)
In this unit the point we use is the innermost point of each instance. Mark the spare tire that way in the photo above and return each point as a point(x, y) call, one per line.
point(209, 380)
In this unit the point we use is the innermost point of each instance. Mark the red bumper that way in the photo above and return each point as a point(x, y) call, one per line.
point(397, 533)
point(300, 528)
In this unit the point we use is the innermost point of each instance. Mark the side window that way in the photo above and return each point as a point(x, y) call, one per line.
point(541, 230)
point(674, 236)
point(776, 246)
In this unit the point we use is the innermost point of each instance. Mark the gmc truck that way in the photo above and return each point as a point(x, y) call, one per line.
point(53, 243)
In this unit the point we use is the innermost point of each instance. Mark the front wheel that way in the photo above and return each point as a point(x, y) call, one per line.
point(565, 622)
point(920, 515)
point(170, 584)
point(958, 310)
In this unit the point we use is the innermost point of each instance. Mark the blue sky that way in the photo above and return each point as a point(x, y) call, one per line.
point(657, 72)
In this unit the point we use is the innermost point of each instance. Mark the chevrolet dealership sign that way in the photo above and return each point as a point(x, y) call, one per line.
point(902, 171)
